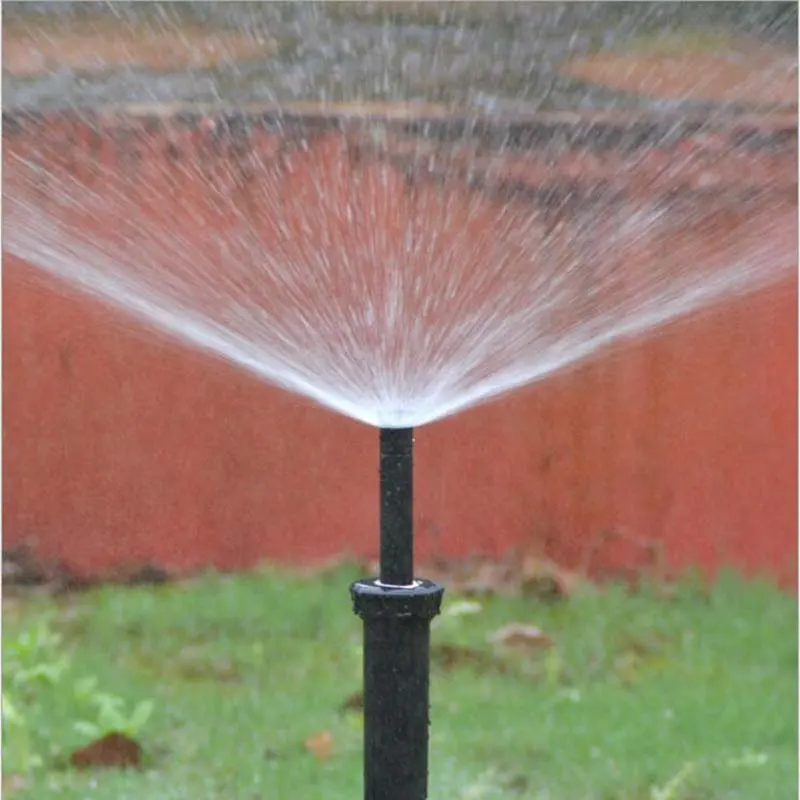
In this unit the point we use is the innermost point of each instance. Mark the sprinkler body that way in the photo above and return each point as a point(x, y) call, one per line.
point(397, 612)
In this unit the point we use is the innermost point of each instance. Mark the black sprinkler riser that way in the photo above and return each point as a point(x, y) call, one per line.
point(397, 504)
point(396, 611)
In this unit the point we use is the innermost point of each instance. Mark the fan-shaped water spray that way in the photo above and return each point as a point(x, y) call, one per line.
point(389, 277)
point(399, 263)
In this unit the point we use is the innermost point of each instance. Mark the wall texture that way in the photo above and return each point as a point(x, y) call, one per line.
point(120, 448)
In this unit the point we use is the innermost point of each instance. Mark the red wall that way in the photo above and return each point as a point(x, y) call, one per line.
point(120, 448)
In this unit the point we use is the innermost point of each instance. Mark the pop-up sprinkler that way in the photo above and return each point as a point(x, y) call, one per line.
point(397, 611)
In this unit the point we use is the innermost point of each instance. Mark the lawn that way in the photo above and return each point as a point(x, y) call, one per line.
point(254, 682)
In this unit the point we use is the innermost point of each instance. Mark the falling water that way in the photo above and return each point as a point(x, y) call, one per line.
point(398, 263)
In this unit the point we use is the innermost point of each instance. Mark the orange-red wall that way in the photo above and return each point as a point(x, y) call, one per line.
point(121, 448)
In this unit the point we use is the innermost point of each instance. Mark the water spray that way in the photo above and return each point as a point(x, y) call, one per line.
point(397, 611)
point(529, 235)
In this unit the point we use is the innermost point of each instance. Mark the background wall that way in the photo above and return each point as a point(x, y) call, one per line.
point(121, 448)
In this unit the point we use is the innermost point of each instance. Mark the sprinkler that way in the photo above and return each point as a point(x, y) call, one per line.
point(397, 611)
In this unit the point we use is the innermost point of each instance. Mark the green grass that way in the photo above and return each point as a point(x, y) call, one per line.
point(692, 698)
